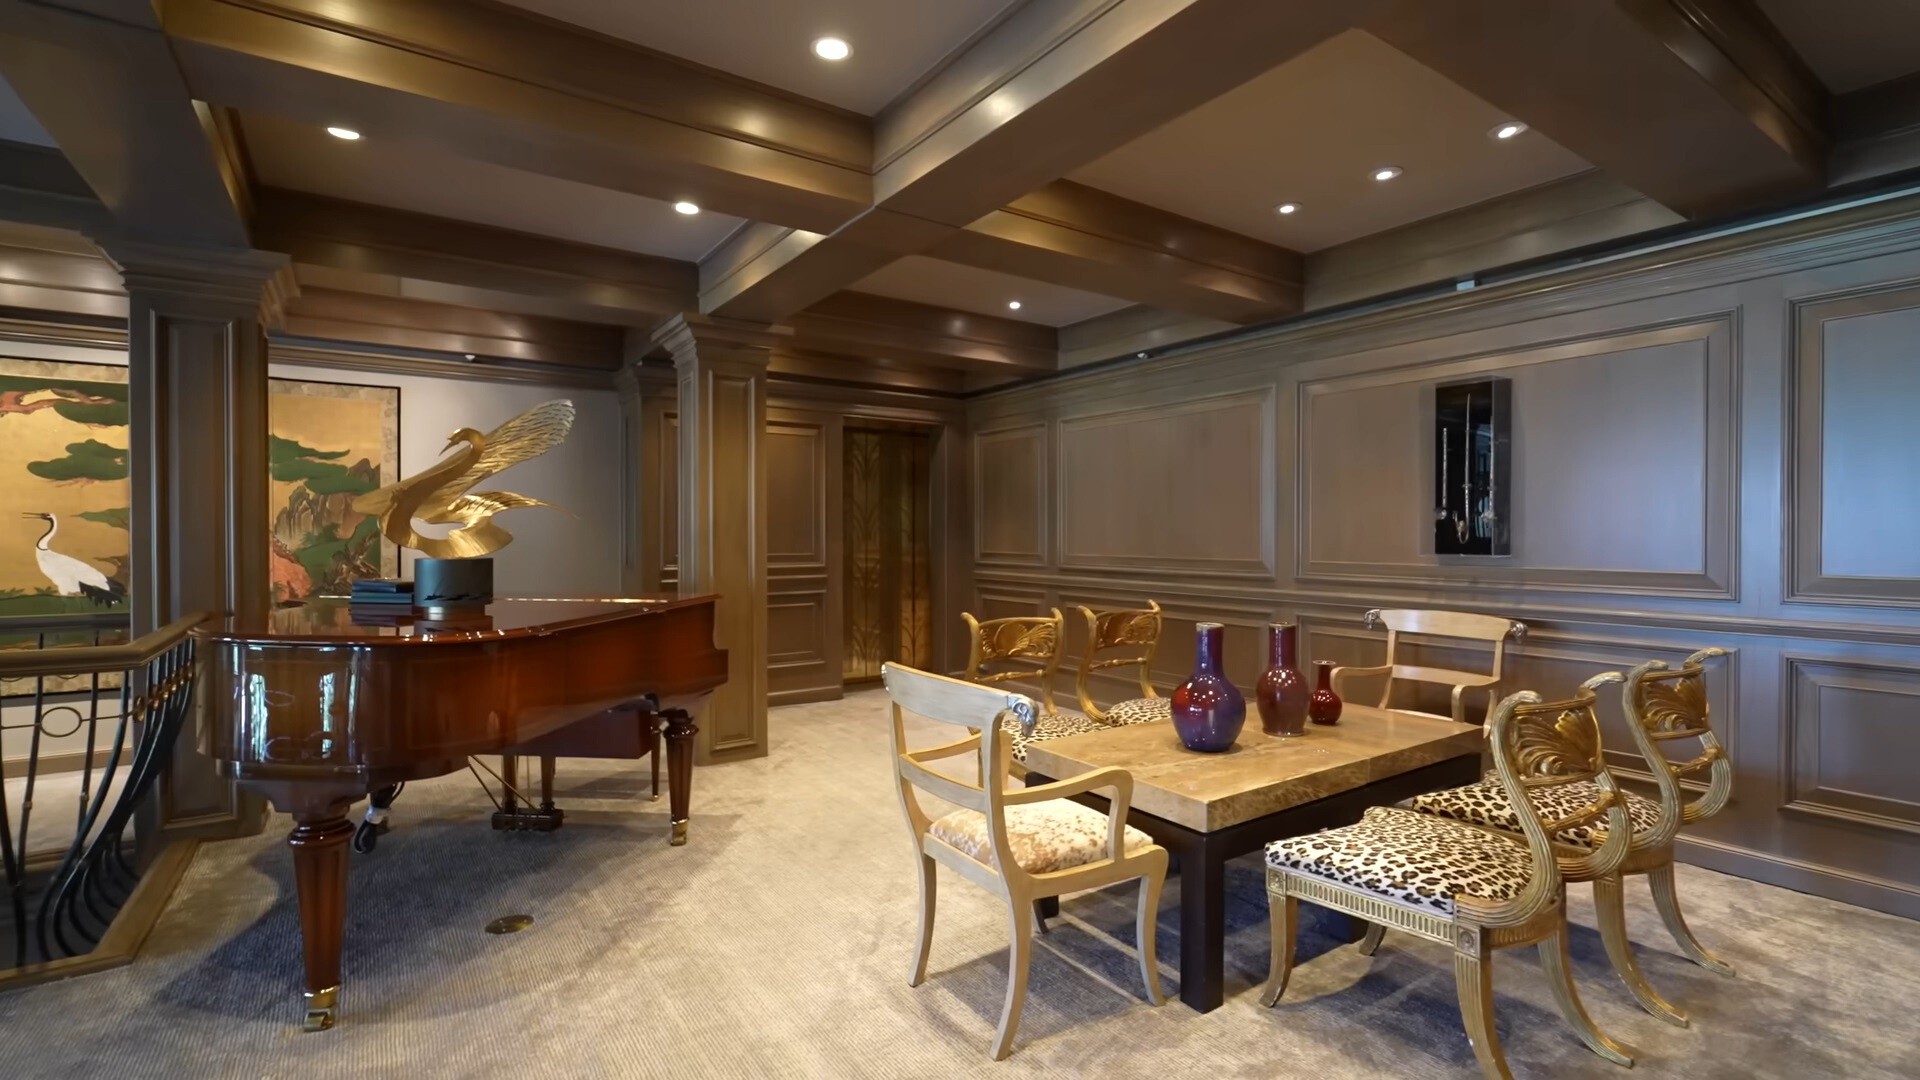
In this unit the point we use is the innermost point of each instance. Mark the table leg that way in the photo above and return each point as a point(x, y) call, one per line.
point(319, 844)
point(1203, 925)
point(679, 737)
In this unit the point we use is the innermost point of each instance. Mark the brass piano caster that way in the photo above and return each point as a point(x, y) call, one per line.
point(323, 1007)
point(679, 834)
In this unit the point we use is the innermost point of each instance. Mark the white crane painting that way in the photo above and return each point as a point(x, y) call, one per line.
point(71, 576)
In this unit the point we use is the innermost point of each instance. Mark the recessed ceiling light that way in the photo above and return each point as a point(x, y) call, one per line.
point(831, 48)
point(1286, 208)
point(343, 133)
point(1386, 172)
point(1507, 130)
point(685, 207)
point(466, 356)
point(1140, 355)
point(1013, 305)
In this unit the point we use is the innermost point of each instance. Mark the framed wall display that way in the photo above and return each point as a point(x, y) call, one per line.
point(328, 443)
point(1472, 460)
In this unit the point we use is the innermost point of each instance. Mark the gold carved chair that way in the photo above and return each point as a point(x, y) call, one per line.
point(1117, 639)
point(1459, 625)
point(1024, 647)
point(1662, 705)
point(1023, 844)
point(1473, 889)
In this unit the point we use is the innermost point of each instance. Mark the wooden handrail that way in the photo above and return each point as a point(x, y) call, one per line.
point(87, 659)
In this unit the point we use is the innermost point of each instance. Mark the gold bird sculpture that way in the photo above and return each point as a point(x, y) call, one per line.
point(441, 496)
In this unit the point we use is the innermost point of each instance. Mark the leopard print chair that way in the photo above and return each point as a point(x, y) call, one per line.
point(1661, 706)
point(1471, 888)
point(1135, 634)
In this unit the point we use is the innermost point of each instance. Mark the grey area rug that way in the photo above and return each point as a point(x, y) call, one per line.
point(776, 944)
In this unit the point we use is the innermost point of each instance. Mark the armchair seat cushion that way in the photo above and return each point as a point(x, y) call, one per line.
point(1412, 859)
point(1058, 834)
point(1146, 710)
point(1486, 803)
point(1047, 726)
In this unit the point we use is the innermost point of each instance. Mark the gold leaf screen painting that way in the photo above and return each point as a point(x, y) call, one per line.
point(327, 444)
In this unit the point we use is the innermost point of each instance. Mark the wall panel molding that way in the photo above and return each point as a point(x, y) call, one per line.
point(1213, 453)
point(1010, 515)
point(1867, 779)
point(1710, 338)
point(1871, 466)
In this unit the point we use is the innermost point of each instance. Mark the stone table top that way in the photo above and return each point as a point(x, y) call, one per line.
point(1261, 774)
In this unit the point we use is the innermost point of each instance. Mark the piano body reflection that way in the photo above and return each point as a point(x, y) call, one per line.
point(315, 710)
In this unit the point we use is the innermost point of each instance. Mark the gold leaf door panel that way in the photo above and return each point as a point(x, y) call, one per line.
point(889, 586)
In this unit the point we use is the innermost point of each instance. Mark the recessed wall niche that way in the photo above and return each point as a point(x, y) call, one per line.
point(1472, 460)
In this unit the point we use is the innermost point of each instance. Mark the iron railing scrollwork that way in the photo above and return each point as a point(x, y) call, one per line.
point(97, 718)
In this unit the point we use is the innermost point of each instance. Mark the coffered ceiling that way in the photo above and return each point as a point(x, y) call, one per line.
point(1312, 132)
point(894, 42)
point(405, 176)
point(1077, 156)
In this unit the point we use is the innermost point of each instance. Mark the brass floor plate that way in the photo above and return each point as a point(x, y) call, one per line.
point(509, 924)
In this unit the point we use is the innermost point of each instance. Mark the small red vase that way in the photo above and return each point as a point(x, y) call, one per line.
point(1324, 706)
point(1282, 692)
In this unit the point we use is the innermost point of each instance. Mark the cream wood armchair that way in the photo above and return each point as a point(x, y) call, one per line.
point(1470, 888)
point(1022, 845)
point(1134, 635)
point(1446, 624)
point(1661, 705)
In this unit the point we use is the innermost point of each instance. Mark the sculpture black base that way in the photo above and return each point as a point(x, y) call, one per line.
point(452, 583)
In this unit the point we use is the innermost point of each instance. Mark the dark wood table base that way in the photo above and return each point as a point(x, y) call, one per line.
point(1202, 859)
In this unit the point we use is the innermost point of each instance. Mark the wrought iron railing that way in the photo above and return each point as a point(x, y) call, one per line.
point(88, 721)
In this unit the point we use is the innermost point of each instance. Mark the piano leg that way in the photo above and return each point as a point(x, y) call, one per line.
point(680, 733)
point(319, 844)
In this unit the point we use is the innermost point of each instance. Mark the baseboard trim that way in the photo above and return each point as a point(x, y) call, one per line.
point(805, 695)
point(131, 925)
point(1861, 890)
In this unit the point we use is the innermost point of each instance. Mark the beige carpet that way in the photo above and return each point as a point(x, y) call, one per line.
point(776, 944)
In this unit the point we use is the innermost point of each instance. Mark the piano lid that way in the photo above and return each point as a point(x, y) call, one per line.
point(333, 621)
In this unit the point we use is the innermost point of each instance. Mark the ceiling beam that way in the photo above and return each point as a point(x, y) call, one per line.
point(492, 83)
point(1081, 237)
point(900, 331)
point(327, 315)
point(39, 186)
point(391, 247)
point(104, 84)
point(1056, 85)
point(1698, 104)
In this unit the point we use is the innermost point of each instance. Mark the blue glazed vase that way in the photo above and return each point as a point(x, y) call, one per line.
point(1208, 712)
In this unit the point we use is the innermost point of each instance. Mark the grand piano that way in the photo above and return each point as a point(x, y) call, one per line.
point(317, 706)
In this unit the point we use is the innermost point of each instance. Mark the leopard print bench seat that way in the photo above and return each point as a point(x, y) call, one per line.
point(1486, 803)
point(1412, 859)
point(1055, 835)
point(1146, 710)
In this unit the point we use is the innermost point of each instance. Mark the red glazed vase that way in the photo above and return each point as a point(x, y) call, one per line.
point(1282, 691)
point(1324, 706)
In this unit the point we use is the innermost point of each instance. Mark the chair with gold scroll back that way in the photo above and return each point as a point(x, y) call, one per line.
point(1661, 705)
point(1022, 844)
point(1128, 637)
point(1024, 647)
point(1471, 888)
point(1458, 625)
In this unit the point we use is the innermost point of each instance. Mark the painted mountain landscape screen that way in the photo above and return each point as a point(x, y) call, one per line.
point(329, 443)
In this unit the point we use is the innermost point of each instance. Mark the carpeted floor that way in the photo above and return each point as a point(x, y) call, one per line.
point(776, 944)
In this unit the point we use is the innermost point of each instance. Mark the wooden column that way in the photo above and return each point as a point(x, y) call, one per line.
point(197, 369)
point(722, 371)
point(646, 392)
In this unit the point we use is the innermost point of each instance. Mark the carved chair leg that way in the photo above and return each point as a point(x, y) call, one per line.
point(1660, 880)
point(1021, 919)
point(1146, 928)
point(1558, 965)
point(1283, 917)
point(927, 882)
point(1473, 980)
point(1610, 910)
point(1371, 943)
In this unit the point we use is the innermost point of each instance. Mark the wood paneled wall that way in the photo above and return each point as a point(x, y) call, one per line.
point(805, 567)
point(1713, 450)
